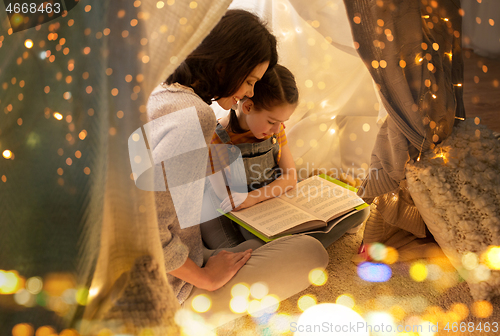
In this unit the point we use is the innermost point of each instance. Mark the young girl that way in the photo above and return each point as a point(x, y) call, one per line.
point(256, 127)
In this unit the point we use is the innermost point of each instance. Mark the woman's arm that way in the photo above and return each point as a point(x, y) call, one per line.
point(218, 270)
point(286, 181)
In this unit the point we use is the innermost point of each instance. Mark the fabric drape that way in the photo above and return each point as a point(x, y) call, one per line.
point(70, 209)
point(413, 52)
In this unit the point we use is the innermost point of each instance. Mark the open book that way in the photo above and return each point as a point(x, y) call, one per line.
point(318, 202)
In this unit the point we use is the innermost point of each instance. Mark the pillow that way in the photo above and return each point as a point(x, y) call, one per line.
point(456, 188)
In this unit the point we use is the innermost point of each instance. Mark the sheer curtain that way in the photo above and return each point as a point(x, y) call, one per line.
point(335, 124)
point(67, 194)
point(413, 52)
point(71, 213)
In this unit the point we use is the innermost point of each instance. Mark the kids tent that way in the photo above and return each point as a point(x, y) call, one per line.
point(74, 89)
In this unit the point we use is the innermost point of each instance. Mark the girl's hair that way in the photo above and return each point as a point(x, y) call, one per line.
point(277, 87)
point(225, 58)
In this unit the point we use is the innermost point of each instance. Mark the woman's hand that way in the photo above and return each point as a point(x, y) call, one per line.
point(241, 201)
point(222, 267)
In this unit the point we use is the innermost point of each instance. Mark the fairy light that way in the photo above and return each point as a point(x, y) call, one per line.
point(7, 154)
point(421, 148)
point(28, 44)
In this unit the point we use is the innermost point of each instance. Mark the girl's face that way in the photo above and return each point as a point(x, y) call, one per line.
point(264, 123)
point(246, 89)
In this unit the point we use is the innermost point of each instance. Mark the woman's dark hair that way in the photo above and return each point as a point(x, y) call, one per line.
point(277, 87)
point(225, 58)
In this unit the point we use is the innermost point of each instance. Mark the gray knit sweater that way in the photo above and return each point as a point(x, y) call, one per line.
point(178, 244)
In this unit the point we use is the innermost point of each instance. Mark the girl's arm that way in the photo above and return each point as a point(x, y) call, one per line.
point(285, 182)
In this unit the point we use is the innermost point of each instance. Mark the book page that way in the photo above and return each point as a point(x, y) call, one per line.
point(322, 198)
point(273, 216)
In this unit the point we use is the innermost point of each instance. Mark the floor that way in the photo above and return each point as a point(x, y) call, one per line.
point(482, 89)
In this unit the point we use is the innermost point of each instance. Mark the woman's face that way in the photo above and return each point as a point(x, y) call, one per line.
point(246, 89)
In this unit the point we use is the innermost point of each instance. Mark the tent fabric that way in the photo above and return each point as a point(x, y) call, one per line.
point(416, 76)
point(70, 208)
point(99, 225)
point(413, 52)
point(336, 122)
point(130, 229)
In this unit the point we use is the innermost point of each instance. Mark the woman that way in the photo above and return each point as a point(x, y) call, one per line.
point(224, 67)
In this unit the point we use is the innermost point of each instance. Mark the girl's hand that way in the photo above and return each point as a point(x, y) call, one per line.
point(222, 267)
point(241, 201)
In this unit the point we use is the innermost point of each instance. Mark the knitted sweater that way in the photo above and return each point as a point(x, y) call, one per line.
point(178, 244)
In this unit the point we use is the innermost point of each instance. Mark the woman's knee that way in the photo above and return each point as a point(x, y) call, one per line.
point(302, 251)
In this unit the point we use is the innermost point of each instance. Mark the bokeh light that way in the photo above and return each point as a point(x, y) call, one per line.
point(280, 323)
point(345, 300)
point(470, 260)
point(318, 277)
point(418, 271)
point(45, 331)
point(28, 44)
point(461, 310)
point(334, 315)
point(493, 257)
point(377, 251)
point(255, 308)
point(34, 285)
point(259, 290)
point(239, 304)
point(270, 303)
point(374, 272)
point(22, 297)
point(23, 329)
point(377, 319)
point(391, 255)
point(7, 154)
point(306, 301)
point(482, 309)
point(201, 303)
point(9, 282)
point(240, 289)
